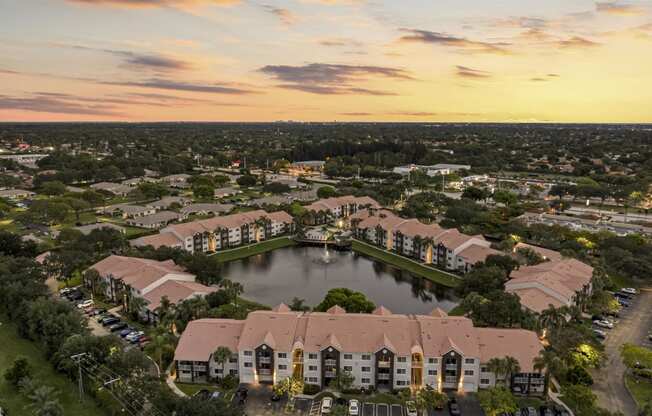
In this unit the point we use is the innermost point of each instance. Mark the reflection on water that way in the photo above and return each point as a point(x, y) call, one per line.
point(280, 275)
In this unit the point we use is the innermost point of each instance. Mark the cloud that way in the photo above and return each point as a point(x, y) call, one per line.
point(340, 42)
point(619, 9)
point(57, 104)
point(139, 4)
point(463, 44)
point(165, 84)
point(576, 42)
point(136, 60)
point(284, 15)
point(356, 114)
point(466, 72)
point(320, 78)
point(522, 22)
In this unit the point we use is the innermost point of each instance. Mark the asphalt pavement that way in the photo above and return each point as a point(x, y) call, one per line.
point(633, 326)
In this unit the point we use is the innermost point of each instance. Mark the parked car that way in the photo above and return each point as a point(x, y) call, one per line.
point(411, 408)
point(600, 334)
point(625, 295)
point(624, 303)
point(135, 336)
point(98, 311)
point(118, 326)
point(546, 411)
point(144, 340)
point(629, 290)
point(354, 407)
point(74, 295)
point(110, 321)
point(85, 304)
point(128, 330)
point(326, 405)
point(454, 408)
point(604, 324)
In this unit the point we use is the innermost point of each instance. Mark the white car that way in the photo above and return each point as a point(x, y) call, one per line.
point(85, 304)
point(326, 405)
point(411, 408)
point(354, 407)
point(603, 324)
point(134, 335)
point(629, 290)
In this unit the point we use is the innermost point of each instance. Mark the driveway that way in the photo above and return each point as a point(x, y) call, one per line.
point(633, 326)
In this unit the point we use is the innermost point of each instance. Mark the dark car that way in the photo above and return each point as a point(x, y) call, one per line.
point(110, 321)
point(453, 407)
point(126, 331)
point(118, 326)
point(624, 295)
point(202, 394)
point(75, 296)
point(102, 317)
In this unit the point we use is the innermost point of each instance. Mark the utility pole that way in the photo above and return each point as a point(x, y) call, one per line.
point(77, 358)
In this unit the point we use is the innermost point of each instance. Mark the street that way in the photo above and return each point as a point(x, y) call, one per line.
point(633, 327)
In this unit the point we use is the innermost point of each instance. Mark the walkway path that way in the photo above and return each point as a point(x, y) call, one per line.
point(169, 379)
point(633, 327)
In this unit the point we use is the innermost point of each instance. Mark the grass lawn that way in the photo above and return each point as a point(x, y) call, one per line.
point(190, 388)
point(413, 267)
point(641, 390)
point(13, 346)
point(253, 249)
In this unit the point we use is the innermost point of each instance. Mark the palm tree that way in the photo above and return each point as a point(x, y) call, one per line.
point(511, 367)
point(221, 356)
point(232, 289)
point(161, 344)
point(549, 362)
point(497, 367)
point(165, 312)
point(44, 402)
point(552, 318)
point(135, 305)
point(428, 398)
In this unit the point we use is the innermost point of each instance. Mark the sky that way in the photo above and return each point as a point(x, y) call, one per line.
point(326, 60)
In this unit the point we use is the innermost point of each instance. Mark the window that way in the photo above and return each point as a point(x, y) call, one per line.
point(402, 359)
point(233, 360)
point(233, 372)
point(218, 371)
point(248, 365)
point(366, 357)
point(366, 369)
point(468, 372)
point(365, 381)
point(432, 372)
point(282, 367)
point(282, 355)
point(248, 353)
point(312, 368)
point(484, 381)
point(401, 371)
point(483, 369)
point(348, 356)
point(469, 361)
point(348, 368)
point(312, 356)
point(401, 383)
point(312, 379)
point(432, 361)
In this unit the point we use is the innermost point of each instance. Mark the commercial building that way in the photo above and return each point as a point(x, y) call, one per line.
point(380, 350)
point(218, 233)
point(429, 243)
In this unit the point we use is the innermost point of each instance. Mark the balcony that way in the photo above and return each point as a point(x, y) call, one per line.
point(450, 379)
point(384, 364)
point(331, 363)
point(383, 376)
point(330, 374)
point(264, 360)
point(264, 372)
point(452, 367)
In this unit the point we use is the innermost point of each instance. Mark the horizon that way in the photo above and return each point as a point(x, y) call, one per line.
point(326, 61)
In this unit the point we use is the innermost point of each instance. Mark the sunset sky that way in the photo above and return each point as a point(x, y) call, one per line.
point(326, 60)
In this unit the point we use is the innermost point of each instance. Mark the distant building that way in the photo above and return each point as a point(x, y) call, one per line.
point(128, 210)
point(433, 170)
point(155, 221)
point(15, 194)
point(87, 229)
point(226, 192)
point(167, 201)
point(205, 209)
point(326, 210)
point(112, 188)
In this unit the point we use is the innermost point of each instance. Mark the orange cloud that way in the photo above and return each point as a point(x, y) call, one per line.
point(443, 39)
point(154, 3)
point(576, 42)
point(619, 9)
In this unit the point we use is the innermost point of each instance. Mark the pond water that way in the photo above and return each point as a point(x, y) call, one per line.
point(309, 272)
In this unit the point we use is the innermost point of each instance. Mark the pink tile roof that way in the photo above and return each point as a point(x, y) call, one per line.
point(136, 272)
point(176, 291)
point(366, 333)
point(158, 240)
point(476, 253)
point(536, 300)
point(332, 203)
point(202, 337)
point(544, 252)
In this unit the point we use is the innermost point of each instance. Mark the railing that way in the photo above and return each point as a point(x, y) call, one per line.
point(450, 379)
point(330, 362)
point(451, 367)
point(264, 372)
point(384, 364)
point(264, 360)
point(383, 376)
point(330, 374)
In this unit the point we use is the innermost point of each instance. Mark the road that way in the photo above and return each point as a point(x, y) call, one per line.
point(634, 324)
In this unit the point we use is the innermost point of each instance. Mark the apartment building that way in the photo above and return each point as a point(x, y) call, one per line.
point(126, 277)
point(326, 210)
point(220, 233)
point(380, 350)
point(553, 283)
point(429, 243)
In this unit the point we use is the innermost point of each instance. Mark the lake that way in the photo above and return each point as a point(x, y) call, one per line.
point(308, 273)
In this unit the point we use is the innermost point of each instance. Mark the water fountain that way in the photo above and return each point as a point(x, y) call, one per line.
point(326, 257)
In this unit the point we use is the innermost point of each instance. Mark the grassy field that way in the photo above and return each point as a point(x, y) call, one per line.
point(413, 267)
point(641, 390)
point(253, 249)
point(12, 346)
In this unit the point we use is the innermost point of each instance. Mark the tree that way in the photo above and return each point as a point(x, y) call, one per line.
point(152, 190)
point(290, 386)
point(298, 305)
point(482, 280)
point(44, 402)
point(221, 355)
point(203, 191)
point(162, 345)
point(550, 363)
point(351, 301)
point(505, 197)
point(580, 399)
point(326, 192)
point(429, 398)
point(19, 370)
point(232, 289)
point(511, 368)
point(53, 188)
point(497, 367)
point(246, 181)
point(578, 375)
point(135, 306)
point(552, 318)
point(507, 263)
point(474, 193)
point(276, 188)
point(496, 401)
point(342, 381)
point(339, 410)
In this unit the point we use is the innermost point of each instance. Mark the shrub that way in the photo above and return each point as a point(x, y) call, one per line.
point(19, 370)
point(311, 389)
